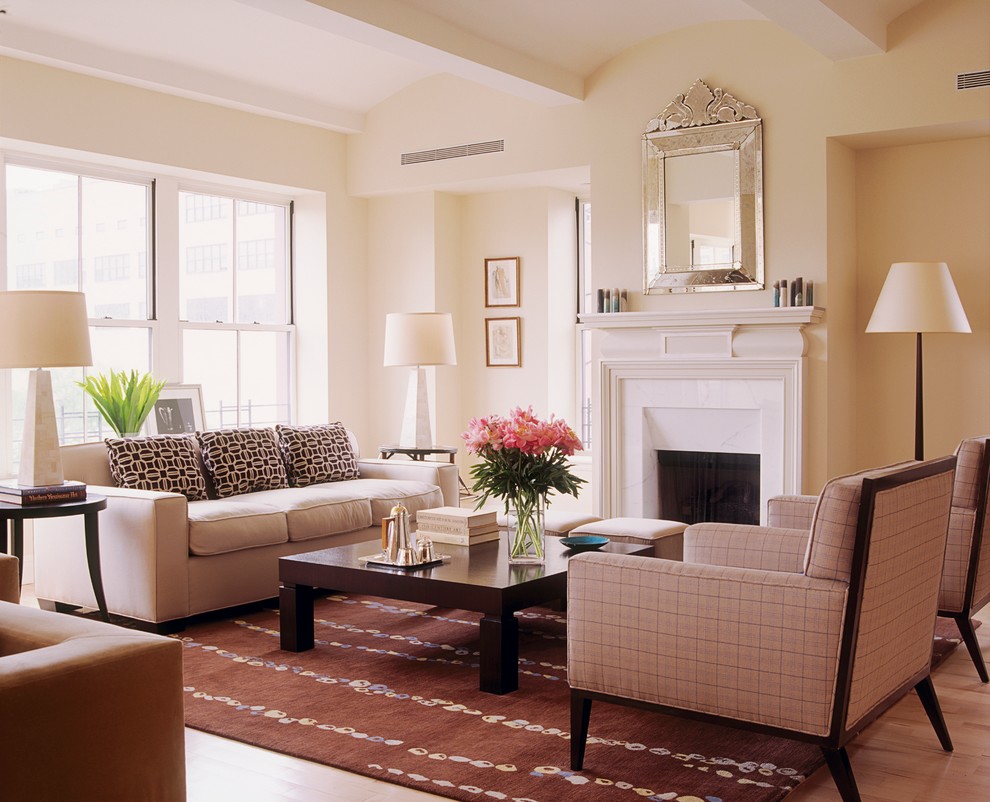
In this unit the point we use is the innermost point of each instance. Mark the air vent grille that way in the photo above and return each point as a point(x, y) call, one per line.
point(973, 80)
point(455, 152)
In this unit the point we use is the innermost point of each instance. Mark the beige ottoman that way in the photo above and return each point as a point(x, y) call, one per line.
point(558, 523)
point(667, 537)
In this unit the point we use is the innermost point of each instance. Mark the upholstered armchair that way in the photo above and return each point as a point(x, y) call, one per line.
point(88, 711)
point(966, 574)
point(808, 634)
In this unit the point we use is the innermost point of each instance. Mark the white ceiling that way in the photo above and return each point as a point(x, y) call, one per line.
point(327, 62)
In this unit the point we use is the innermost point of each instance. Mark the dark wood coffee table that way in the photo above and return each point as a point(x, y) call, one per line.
point(477, 578)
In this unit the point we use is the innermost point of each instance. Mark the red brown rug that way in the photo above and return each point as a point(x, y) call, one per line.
point(391, 692)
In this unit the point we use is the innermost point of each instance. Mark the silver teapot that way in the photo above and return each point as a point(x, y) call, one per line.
point(398, 540)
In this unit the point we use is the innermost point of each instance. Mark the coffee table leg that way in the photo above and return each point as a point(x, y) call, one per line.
point(295, 604)
point(499, 653)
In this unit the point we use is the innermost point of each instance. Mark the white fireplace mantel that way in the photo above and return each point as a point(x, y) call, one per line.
point(706, 380)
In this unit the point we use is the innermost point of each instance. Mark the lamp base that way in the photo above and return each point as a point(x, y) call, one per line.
point(41, 462)
point(416, 429)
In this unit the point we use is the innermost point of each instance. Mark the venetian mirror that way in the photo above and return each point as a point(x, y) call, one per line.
point(703, 195)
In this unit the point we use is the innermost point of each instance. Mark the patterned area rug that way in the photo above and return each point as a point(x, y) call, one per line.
point(391, 692)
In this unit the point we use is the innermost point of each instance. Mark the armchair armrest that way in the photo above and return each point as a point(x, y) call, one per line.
point(441, 474)
point(791, 512)
point(674, 633)
point(759, 547)
point(88, 710)
point(144, 553)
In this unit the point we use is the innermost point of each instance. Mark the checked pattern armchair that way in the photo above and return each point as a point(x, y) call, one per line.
point(808, 634)
point(966, 575)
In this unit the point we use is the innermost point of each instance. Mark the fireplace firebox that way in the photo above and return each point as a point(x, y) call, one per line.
point(699, 486)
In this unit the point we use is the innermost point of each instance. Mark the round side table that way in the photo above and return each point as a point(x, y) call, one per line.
point(17, 514)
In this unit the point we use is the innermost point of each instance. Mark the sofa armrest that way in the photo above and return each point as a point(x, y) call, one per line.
point(144, 554)
point(88, 710)
point(9, 586)
point(791, 512)
point(760, 547)
point(441, 474)
point(675, 633)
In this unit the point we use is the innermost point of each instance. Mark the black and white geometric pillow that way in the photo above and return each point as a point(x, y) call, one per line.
point(242, 460)
point(314, 454)
point(168, 463)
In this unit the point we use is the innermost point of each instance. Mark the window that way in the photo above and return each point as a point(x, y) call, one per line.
point(70, 230)
point(237, 334)
point(586, 303)
point(57, 205)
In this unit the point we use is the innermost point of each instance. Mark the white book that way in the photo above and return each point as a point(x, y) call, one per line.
point(458, 540)
point(464, 516)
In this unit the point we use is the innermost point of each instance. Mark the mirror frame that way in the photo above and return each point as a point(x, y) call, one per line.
point(702, 121)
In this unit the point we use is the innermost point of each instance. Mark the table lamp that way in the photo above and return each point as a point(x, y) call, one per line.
point(417, 340)
point(42, 329)
point(918, 297)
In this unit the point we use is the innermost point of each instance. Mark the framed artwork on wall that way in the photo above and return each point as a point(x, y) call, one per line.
point(178, 410)
point(502, 281)
point(502, 342)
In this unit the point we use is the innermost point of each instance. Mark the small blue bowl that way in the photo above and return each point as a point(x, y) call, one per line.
point(584, 542)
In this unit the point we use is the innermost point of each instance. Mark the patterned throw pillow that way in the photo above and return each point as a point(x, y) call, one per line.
point(316, 453)
point(242, 460)
point(167, 463)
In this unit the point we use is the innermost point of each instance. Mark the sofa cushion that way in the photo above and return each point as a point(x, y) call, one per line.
point(166, 463)
point(242, 460)
point(386, 493)
point(314, 454)
point(318, 510)
point(217, 526)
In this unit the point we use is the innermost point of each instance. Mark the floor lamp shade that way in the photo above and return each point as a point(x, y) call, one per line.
point(918, 297)
point(415, 340)
point(42, 329)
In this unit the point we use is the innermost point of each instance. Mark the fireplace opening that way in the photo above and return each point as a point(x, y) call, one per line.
point(698, 486)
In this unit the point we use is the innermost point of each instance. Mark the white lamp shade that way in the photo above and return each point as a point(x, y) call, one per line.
point(43, 329)
point(918, 297)
point(419, 338)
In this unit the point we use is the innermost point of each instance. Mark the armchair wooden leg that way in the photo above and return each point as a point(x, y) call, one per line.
point(580, 716)
point(842, 773)
point(965, 625)
point(926, 692)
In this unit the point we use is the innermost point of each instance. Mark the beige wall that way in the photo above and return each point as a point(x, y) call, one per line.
point(927, 202)
point(421, 239)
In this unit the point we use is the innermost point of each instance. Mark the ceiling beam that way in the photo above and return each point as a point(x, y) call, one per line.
point(406, 31)
point(838, 29)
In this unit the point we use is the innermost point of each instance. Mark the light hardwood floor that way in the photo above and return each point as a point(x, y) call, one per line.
point(897, 759)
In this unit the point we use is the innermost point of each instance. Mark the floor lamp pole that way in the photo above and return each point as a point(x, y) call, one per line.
point(919, 417)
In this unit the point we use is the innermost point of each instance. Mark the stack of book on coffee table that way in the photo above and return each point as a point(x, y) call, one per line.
point(457, 526)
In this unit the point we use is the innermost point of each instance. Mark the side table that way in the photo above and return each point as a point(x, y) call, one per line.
point(16, 515)
point(420, 455)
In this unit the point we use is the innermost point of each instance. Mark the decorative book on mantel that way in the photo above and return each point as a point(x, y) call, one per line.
point(13, 493)
point(457, 526)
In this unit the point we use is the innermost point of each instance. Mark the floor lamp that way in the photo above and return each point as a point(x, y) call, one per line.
point(42, 329)
point(417, 340)
point(918, 297)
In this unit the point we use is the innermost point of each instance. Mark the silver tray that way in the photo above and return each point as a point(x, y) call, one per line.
point(379, 561)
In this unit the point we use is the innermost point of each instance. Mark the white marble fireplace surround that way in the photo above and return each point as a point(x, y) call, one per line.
point(709, 380)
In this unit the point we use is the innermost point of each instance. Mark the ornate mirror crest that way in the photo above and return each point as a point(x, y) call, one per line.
point(703, 194)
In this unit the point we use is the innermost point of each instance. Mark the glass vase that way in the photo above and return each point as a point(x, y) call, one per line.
point(527, 545)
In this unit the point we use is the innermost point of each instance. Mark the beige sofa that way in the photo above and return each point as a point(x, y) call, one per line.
point(165, 558)
point(88, 711)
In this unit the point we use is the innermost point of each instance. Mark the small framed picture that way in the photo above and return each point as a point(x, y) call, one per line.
point(178, 410)
point(502, 281)
point(502, 335)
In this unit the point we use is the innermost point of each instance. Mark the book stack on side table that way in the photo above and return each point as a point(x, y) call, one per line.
point(457, 526)
point(13, 493)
